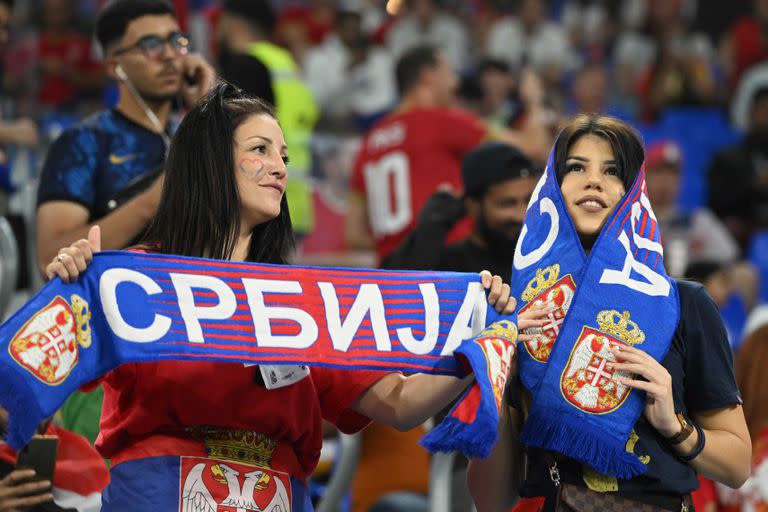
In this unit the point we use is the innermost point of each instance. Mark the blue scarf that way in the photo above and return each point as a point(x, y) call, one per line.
point(133, 307)
point(619, 294)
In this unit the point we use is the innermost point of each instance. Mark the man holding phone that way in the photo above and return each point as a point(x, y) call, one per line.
point(106, 169)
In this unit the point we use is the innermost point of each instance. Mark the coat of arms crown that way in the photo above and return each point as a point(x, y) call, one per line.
point(82, 320)
point(544, 278)
point(620, 326)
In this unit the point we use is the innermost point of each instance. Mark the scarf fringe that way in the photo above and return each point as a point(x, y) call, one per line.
point(454, 435)
point(577, 439)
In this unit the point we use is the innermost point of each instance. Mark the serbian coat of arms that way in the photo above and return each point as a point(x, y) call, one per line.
point(498, 344)
point(587, 382)
point(210, 485)
point(47, 345)
point(546, 289)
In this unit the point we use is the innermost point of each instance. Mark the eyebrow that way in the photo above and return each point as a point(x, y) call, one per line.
point(584, 159)
point(265, 139)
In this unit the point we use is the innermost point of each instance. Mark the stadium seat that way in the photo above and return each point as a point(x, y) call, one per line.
point(9, 264)
point(335, 495)
point(701, 132)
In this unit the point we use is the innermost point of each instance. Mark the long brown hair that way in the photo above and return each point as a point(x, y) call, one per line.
point(199, 212)
point(752, 378)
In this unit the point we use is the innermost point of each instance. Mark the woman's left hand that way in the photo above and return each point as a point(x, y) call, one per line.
point(655, 380)
point(498, 293)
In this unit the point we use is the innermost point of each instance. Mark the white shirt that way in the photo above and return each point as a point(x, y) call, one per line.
point(545, 46)
point(444, 31)
point(365, 89)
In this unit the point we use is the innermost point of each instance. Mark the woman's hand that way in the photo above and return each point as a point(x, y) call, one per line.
point(530, 321)
point(656, 381)
point(17, 491)
point(498, 293)
point(72, 260)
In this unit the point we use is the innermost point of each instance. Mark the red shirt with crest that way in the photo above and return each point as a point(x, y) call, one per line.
point(157, 409)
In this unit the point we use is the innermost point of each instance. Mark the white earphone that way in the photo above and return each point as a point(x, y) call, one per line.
point(120, 73)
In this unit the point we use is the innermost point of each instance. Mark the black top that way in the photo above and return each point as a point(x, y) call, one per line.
point(248, 73)
point(701, 365)
point(424, 248)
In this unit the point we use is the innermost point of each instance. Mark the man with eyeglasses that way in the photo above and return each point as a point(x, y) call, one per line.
point(106, 170)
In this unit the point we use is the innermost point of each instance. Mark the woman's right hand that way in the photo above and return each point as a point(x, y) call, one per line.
point(530, 322)
point(72, 260)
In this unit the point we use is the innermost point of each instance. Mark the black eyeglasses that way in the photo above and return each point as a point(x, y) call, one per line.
point(153, 45)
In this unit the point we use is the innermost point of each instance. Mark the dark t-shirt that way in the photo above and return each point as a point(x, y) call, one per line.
point(100, 163)
point(468, 256)
point(701, 365)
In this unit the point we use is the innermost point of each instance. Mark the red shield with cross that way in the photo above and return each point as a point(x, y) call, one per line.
point(499, 353)
point(588, 381)
point(212, 485)
point(46, 345)
point(560, 294)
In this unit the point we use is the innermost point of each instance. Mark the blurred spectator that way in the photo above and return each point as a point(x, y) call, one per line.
point(738, 176)
point(326, 244)
point(425, 22)
point(688, 237)
point(715, 277)
point(750, 365)
point(498, 182)
point(67, 69)
point(300, 28)
point(417, 148)
point(682, 69)
point(591, 93)
point(589, 25)
point(23, 131)
point(491, 93)
point(530, 38)
point(746, 43)
point(80, 475)
point(348, 76)
point(106, 169)
point(243, 31)
point(235, 35)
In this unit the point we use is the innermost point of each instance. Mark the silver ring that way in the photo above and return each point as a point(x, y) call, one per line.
point(60, 257)
point(533, 330)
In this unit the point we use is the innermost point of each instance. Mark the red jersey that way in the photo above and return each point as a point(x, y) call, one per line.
point(194, 408)
point(74, 51)
point(402, 161)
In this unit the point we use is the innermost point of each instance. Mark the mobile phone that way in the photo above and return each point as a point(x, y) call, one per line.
point(40, 455)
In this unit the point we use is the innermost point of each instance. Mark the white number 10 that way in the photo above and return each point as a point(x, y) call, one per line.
point(389, 193)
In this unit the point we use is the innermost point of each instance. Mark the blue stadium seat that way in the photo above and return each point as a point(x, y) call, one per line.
point(701, 132)
point(757, 253)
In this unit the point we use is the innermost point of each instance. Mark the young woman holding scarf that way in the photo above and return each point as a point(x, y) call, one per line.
point(629, 391)
point(167, 426)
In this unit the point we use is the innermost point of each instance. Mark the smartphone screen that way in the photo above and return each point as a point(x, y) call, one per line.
point(40, 455)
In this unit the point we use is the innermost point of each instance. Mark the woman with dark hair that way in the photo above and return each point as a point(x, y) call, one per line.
point(752, 377)
point(167, 426)
point(684, 416)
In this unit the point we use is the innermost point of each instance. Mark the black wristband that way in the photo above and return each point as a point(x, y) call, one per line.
point(699, 445)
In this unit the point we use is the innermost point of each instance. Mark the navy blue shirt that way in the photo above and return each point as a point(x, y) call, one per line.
point(100, 163)
point(701, 365)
